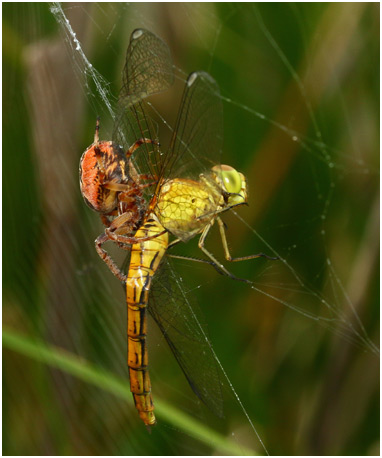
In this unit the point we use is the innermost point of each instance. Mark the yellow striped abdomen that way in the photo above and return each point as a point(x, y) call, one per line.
point(144, 261)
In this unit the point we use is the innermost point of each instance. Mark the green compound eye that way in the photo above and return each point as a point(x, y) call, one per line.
point(230, 178)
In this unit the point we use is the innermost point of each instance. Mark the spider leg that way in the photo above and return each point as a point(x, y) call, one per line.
point(138, 143)
point(129, 240)
point(116, 232)
point(122, 224)
point(104, 255)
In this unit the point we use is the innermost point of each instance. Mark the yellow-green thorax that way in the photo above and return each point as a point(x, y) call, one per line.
point(184, 207)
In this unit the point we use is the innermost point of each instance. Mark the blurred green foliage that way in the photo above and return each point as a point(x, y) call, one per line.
point(301, 95)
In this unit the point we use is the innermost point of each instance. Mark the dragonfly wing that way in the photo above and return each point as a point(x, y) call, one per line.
point(197, 139)
point(148, 70)
point(182, 325)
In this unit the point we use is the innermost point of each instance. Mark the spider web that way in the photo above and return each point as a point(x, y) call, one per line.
point(298, 118)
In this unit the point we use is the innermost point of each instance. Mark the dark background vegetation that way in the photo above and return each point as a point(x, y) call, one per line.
point(307, 69)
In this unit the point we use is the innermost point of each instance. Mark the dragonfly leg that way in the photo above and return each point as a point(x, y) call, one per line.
point(216, 264)
point(189, 258)
point(228, 254)
point(173, 243)
point(107, 258)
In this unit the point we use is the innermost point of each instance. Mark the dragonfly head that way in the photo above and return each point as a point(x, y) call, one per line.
point(232, 183)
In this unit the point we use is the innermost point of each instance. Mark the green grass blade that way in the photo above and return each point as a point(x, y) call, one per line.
point(78, 367)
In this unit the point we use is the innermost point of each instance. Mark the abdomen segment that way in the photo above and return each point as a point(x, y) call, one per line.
point(144, 261)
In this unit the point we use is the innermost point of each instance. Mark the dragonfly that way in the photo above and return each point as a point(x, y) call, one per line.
point(149, 201)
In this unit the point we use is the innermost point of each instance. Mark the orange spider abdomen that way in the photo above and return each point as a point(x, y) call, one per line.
point(101, 164)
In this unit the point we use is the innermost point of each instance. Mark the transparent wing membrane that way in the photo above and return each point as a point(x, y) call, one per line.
point(197, 139)
point(185, 331)
point(148, 70)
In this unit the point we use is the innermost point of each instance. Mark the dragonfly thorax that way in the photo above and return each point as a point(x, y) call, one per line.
point(184, 207)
